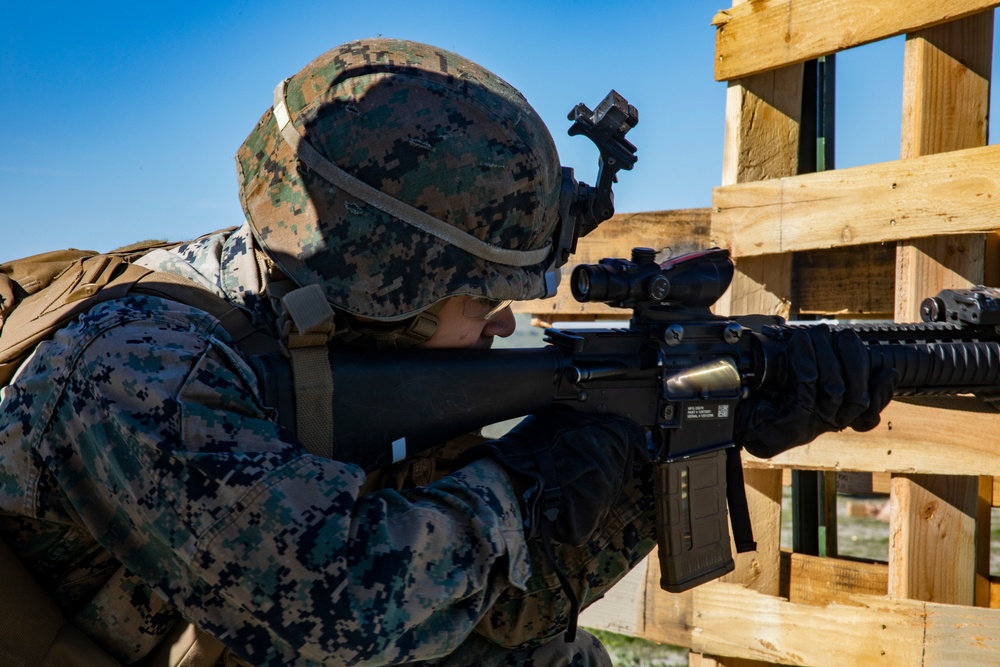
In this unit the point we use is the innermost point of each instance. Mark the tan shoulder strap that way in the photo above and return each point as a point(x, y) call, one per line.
point(307, 327)
point(91, 279)
point(73, 292)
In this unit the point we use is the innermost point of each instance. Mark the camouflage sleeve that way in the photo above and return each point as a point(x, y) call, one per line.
point(158, 446)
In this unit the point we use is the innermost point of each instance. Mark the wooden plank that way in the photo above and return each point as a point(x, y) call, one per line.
point(814, 580)
point(758, 36)
point(864, 483)
point(845, 282)
point(756, 569)
point(946, 100)
point(699, 660)
point(984, 535)
point(946, 82)
point(670, 233)
point(945, 107)
point(957, 191)
point(730, 620)
point(932, 527)
point(762, 126)
point(909, 439)
point(933, 519)
point(926, 266)
point(761, 142)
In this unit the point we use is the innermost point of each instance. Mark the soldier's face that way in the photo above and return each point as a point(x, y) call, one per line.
point(456, 330)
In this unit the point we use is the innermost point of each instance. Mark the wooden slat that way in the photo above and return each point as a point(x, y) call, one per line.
point(761, 142)
point(760, 569)
point(933, 519)
point(845, 282)
point(958, 191)
point(946, 100)
point(762, 126)
point(984, 539)
point(909, 439)
point(863, 482)
point(946, 82)
point(758, 36)
point(670, 233)
point(819, 581)
point(926, 266)
point(727, 619)
point(932, 528)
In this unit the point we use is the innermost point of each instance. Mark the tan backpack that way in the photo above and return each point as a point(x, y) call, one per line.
point(43, 293)
point(38, 296)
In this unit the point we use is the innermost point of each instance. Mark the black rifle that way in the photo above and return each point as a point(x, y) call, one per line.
point(677, 369)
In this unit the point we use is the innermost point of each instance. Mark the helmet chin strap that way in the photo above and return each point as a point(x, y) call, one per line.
point(389, 335)
point(352, 330)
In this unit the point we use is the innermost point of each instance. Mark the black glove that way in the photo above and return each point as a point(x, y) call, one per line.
point(830, 386)
point(570, 466)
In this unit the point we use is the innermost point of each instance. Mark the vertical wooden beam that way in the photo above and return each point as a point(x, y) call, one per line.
point(761, 142)
point(756, 569)
point(946, 86)
point(932, 532)
point(984, 534)
point(932, 552)
point(945, 108)
point(762, 137)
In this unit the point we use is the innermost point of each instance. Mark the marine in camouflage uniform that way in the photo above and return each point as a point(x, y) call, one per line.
point(143, 480)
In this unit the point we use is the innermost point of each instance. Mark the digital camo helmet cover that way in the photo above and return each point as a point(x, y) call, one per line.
point(395, 174)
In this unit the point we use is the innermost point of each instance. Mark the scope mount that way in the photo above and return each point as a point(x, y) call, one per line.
point(583, 207)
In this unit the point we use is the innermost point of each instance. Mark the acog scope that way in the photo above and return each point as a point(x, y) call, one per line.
point(693, 280)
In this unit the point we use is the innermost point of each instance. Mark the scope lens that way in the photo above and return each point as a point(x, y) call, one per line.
point(581, 284)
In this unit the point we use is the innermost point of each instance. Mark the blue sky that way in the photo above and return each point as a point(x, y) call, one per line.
point(119, 121)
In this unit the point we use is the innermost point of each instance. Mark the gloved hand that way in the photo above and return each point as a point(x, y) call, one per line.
point(570, 467)
point(830, 387)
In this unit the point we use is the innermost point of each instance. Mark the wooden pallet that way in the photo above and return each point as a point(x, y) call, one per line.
point(815, 244)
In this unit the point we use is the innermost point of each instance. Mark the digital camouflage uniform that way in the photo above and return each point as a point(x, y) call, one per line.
point(143, 479)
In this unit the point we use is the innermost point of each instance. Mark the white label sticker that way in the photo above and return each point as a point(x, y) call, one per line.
point(398, 449)
point(705, 412)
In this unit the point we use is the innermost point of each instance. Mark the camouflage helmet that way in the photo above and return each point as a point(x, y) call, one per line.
point(395, 174)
